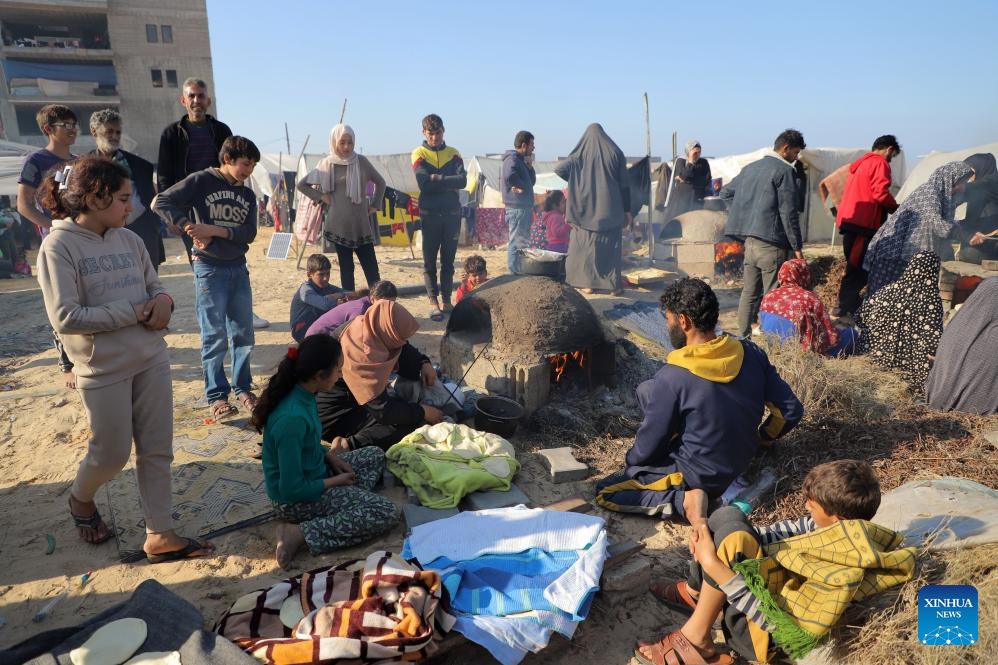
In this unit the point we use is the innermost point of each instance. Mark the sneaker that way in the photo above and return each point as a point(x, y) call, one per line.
point(259, 322)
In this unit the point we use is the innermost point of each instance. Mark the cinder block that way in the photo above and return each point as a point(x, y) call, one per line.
point(495, 499)
point(989, 264)
point(416, 515)
point(991, 437)
point(630, 578)
point(563, 466)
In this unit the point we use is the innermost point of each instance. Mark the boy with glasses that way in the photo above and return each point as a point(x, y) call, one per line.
point(58, 123)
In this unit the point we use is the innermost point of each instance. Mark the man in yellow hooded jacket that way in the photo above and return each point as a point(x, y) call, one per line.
point(701, 414)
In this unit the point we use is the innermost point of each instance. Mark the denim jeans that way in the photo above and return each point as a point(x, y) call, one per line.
point(518, 220)
point(762, 263)
point(224, 304)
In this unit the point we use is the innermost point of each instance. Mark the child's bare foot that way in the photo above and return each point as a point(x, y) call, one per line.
point(289, 540)
point(69, 378)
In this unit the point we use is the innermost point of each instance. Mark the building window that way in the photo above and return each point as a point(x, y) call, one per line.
point(157, 78)
point(167, 31)
point(171, 78)
point(151, 35)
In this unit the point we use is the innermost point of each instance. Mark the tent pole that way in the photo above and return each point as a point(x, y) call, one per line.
point(343, 111)
point(651, 199)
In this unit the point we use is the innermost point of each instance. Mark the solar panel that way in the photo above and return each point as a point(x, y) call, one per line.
point(280, 245)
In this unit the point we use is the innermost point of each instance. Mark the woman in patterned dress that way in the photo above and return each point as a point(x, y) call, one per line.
point(324, 499)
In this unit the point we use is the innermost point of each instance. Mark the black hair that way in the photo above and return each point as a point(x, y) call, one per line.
point(553, 200)
point(235, 147)
point(847, 489)
point(789, 137)
point(886, 141)
point(317, 262)
point(432, 123)
point(87, 176)
point(317, 354)
point(474, 265)
point(384, 290)
point(694, 298)
point(523, 137)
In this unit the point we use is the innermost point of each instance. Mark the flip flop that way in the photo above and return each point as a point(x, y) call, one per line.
point(675, 596)
point(675, 649)
point(92, 522)
point(183, 553)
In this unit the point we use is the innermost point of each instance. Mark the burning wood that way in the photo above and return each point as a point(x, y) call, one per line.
point(729, 256)
point(561, 362)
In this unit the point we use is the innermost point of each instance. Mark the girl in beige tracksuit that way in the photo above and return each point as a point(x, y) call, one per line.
point(104, 298)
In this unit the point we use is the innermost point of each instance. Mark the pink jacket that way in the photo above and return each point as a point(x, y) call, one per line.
point(556, 228)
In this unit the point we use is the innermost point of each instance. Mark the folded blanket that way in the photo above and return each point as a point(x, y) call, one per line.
point(443, 463)
point(378, 609)
point(804, 583)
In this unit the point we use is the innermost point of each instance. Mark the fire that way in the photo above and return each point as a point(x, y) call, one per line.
point(562, 361)
point(729, 256)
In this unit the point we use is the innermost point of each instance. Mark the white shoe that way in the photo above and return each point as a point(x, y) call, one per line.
point(260, 323)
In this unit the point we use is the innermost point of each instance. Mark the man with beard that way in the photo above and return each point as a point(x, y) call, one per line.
point(701, 415)
point(105, 126)
point(192, 143)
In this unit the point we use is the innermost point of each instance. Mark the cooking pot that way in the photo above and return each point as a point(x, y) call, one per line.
point(714, 203)
point(542, 263)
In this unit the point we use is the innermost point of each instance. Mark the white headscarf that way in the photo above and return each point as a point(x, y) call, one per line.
point(324, 169)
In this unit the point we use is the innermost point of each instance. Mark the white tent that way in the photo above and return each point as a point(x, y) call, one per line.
point(268, 171)
point(486, 172)
point(934, 160)
point(11, 161)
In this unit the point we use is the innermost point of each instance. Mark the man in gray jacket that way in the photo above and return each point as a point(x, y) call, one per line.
point(762, 212)
point(517, 184)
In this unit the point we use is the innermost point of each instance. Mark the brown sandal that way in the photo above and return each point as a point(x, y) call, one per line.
point(675, 649)
point(221, 408)
point(675, 596)
point(248, 400)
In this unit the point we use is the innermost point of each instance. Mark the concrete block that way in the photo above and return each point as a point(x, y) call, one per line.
point(416, 515)
point(630, 578)
point(991, 437)
point(989, 264)
point(563, 466)
point(495, 499)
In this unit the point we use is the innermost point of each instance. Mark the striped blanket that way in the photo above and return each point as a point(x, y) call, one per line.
point(381, 609)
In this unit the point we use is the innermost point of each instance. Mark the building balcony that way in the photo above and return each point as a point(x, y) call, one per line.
point(47, 91)
point(56, 53)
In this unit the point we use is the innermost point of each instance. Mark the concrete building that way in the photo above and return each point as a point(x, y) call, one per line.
point(132, 55)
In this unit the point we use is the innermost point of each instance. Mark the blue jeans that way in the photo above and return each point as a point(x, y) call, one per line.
point(518, 220)
point(224, 304)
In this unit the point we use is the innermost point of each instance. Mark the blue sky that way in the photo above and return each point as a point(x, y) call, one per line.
point(731, 74)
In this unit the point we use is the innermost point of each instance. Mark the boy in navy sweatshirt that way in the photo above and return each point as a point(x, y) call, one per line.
point(314, 297)
point(218, 213)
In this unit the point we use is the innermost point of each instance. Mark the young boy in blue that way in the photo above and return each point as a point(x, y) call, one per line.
point(218, 212)
point(314, 297)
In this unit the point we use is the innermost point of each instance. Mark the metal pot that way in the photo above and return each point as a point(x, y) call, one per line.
point(714, 203)
point(498, 415)
point(531, 266)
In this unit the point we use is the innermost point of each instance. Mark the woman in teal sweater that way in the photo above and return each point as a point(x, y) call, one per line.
point(324, 500)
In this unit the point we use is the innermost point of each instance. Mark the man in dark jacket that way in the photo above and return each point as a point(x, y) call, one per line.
point(866, 202)
point(192, 143)
point(762, 211)
point(701, 414)
point(517, 185)
point(105, 126)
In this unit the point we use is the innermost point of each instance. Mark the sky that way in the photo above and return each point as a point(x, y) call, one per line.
point(732, 75)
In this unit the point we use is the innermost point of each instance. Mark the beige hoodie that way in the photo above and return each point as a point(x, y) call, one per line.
point(90, 283)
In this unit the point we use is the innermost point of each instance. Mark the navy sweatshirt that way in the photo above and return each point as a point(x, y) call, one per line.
point(702, 412)
point(206, 197)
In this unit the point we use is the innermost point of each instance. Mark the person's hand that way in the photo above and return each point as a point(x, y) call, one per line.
point(339, 464)
point(516, 190)
point(977, 238)
point(704, 550)
point(798, 254)
point(432, 414)
point(628, 220)
point(156, 313)
point(341, 479)
point(326, 198)
point(436, 176)
point(694, 528)
point(201, 244)
point(203, 232)
point(427, 374)
point(339, 444)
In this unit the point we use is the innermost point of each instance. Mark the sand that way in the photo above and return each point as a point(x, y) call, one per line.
point(43, 436)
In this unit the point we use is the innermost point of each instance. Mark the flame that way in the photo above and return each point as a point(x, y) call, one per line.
point(561, 362)
point(723, 250)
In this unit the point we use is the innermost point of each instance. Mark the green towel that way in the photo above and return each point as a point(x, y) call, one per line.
point(443, 463)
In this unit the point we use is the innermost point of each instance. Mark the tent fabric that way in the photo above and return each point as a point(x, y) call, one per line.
point(59, 71)
point(934, 160)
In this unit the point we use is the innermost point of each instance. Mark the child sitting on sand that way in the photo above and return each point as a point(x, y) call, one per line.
point(324, 499)
point(787, 584)
point(314, 297)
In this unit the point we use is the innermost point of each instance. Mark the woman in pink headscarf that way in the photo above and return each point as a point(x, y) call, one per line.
point(340, 183)
point(793, 311)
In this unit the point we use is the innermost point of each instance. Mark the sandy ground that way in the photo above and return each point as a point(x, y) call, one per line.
point(43, 436)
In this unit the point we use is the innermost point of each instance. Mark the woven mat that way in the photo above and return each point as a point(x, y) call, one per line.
point(217, 486)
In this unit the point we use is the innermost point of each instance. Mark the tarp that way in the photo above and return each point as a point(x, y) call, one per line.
point(264, 179)
point(10, 171)
point(934, 160)
point(60, 71)
point(486, 172)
